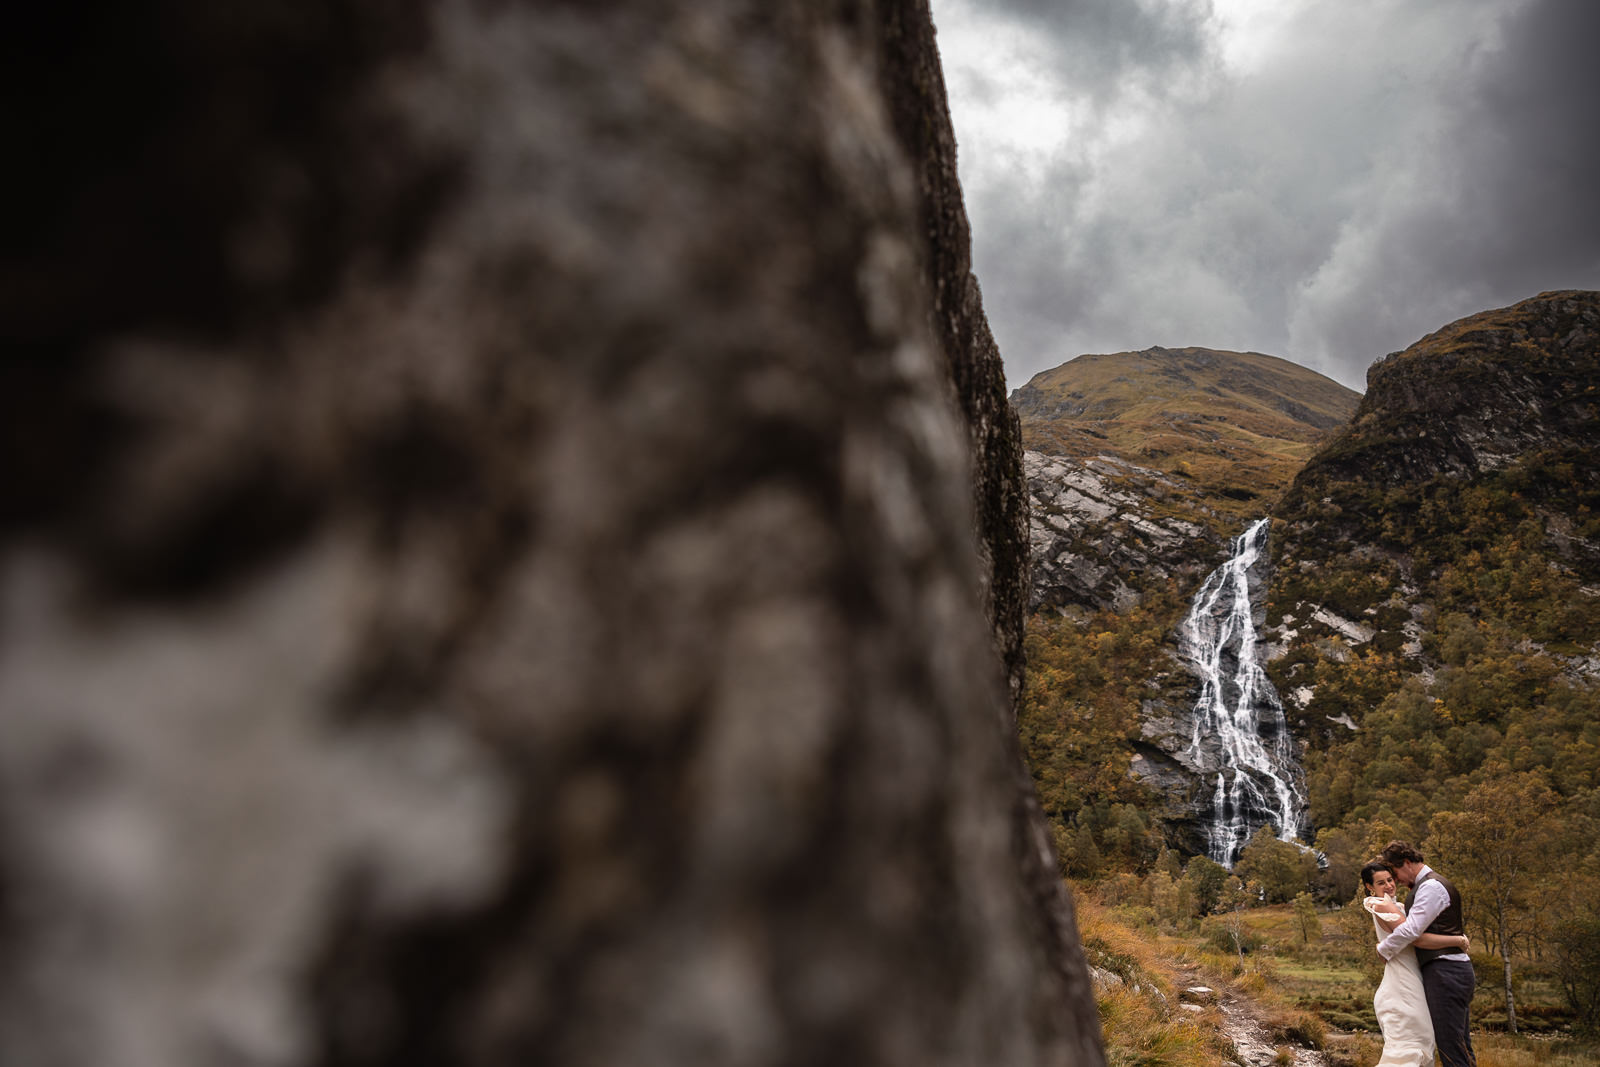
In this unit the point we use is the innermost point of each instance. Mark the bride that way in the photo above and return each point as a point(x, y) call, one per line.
point(1400, 1005)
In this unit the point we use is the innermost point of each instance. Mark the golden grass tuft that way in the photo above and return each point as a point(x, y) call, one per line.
point(1140, 1031)
point(1127, 953)
point(1142, 1020)
point(1504, 1050)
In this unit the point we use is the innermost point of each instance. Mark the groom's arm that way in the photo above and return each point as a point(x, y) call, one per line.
point(1431, 899)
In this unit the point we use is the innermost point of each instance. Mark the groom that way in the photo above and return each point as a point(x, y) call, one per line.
point(1447, 978)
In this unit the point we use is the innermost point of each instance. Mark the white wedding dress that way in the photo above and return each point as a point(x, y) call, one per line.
point(1401, 1006)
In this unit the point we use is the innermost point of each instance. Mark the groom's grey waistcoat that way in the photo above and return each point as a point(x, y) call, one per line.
point(1447, 921)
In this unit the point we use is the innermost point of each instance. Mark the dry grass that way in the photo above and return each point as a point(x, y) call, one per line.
point(1503, 1050)
point(1141, 1017)
point(1139, 1013)
point(1335, 977)
point(1493, 1050)
point(1140, 1031)
point(1317, 995)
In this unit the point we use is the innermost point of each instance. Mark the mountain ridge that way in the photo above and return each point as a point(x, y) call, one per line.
point(1142, 465)
point(1236, 424)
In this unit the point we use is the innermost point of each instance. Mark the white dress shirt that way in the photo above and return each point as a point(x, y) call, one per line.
point(1427, 901)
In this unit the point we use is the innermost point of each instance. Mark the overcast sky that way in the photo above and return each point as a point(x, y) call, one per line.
point(1323, 180)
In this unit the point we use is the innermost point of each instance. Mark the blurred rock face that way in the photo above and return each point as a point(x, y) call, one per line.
point(490, 576)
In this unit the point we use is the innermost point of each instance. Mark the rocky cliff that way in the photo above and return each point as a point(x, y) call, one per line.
point(1488, 424)
point(488, 572)
point(1101, 533)
point(1480, 395)
point(912, 83)
point(1435, 609)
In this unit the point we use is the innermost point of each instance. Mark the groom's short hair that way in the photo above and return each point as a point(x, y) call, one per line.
point(1398, 853)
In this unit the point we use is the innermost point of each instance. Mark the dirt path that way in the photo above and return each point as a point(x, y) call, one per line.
point(1253, 1041)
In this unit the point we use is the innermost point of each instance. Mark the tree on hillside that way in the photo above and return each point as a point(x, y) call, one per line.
point(1237, 895)
point(1496, 848)
point(1305, 917)
point(1206, 879)
point(1575, 957)
point(1571, 940)
point(1168, 900)
point(1342, 854)
point(1282, 868)
point(1346, 849)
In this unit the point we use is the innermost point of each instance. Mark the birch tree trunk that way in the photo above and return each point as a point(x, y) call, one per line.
point(1502, 923)
point(489, 571)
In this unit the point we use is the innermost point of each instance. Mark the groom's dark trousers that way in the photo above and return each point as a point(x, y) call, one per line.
point(1448, 985)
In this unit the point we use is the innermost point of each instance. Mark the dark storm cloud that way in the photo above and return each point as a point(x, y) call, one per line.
point(1540, 105)
point(1509, 206)
point(1369, 172)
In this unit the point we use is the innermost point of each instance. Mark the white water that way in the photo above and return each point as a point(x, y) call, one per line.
point(1258, 781)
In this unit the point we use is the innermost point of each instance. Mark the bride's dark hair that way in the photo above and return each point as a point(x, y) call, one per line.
point(1371, 870)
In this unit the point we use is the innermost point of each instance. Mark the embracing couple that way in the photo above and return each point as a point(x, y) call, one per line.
point(1426, 992)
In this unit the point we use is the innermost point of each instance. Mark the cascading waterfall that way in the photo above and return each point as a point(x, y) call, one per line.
point(1239, 726)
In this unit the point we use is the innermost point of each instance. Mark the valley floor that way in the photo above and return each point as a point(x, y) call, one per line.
point(1185, 998)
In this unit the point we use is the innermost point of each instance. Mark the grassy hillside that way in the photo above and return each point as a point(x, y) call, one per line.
point(1238, 425)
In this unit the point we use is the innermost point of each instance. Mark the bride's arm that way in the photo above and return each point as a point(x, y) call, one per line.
point(1391, 919)
point(1388, 920)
